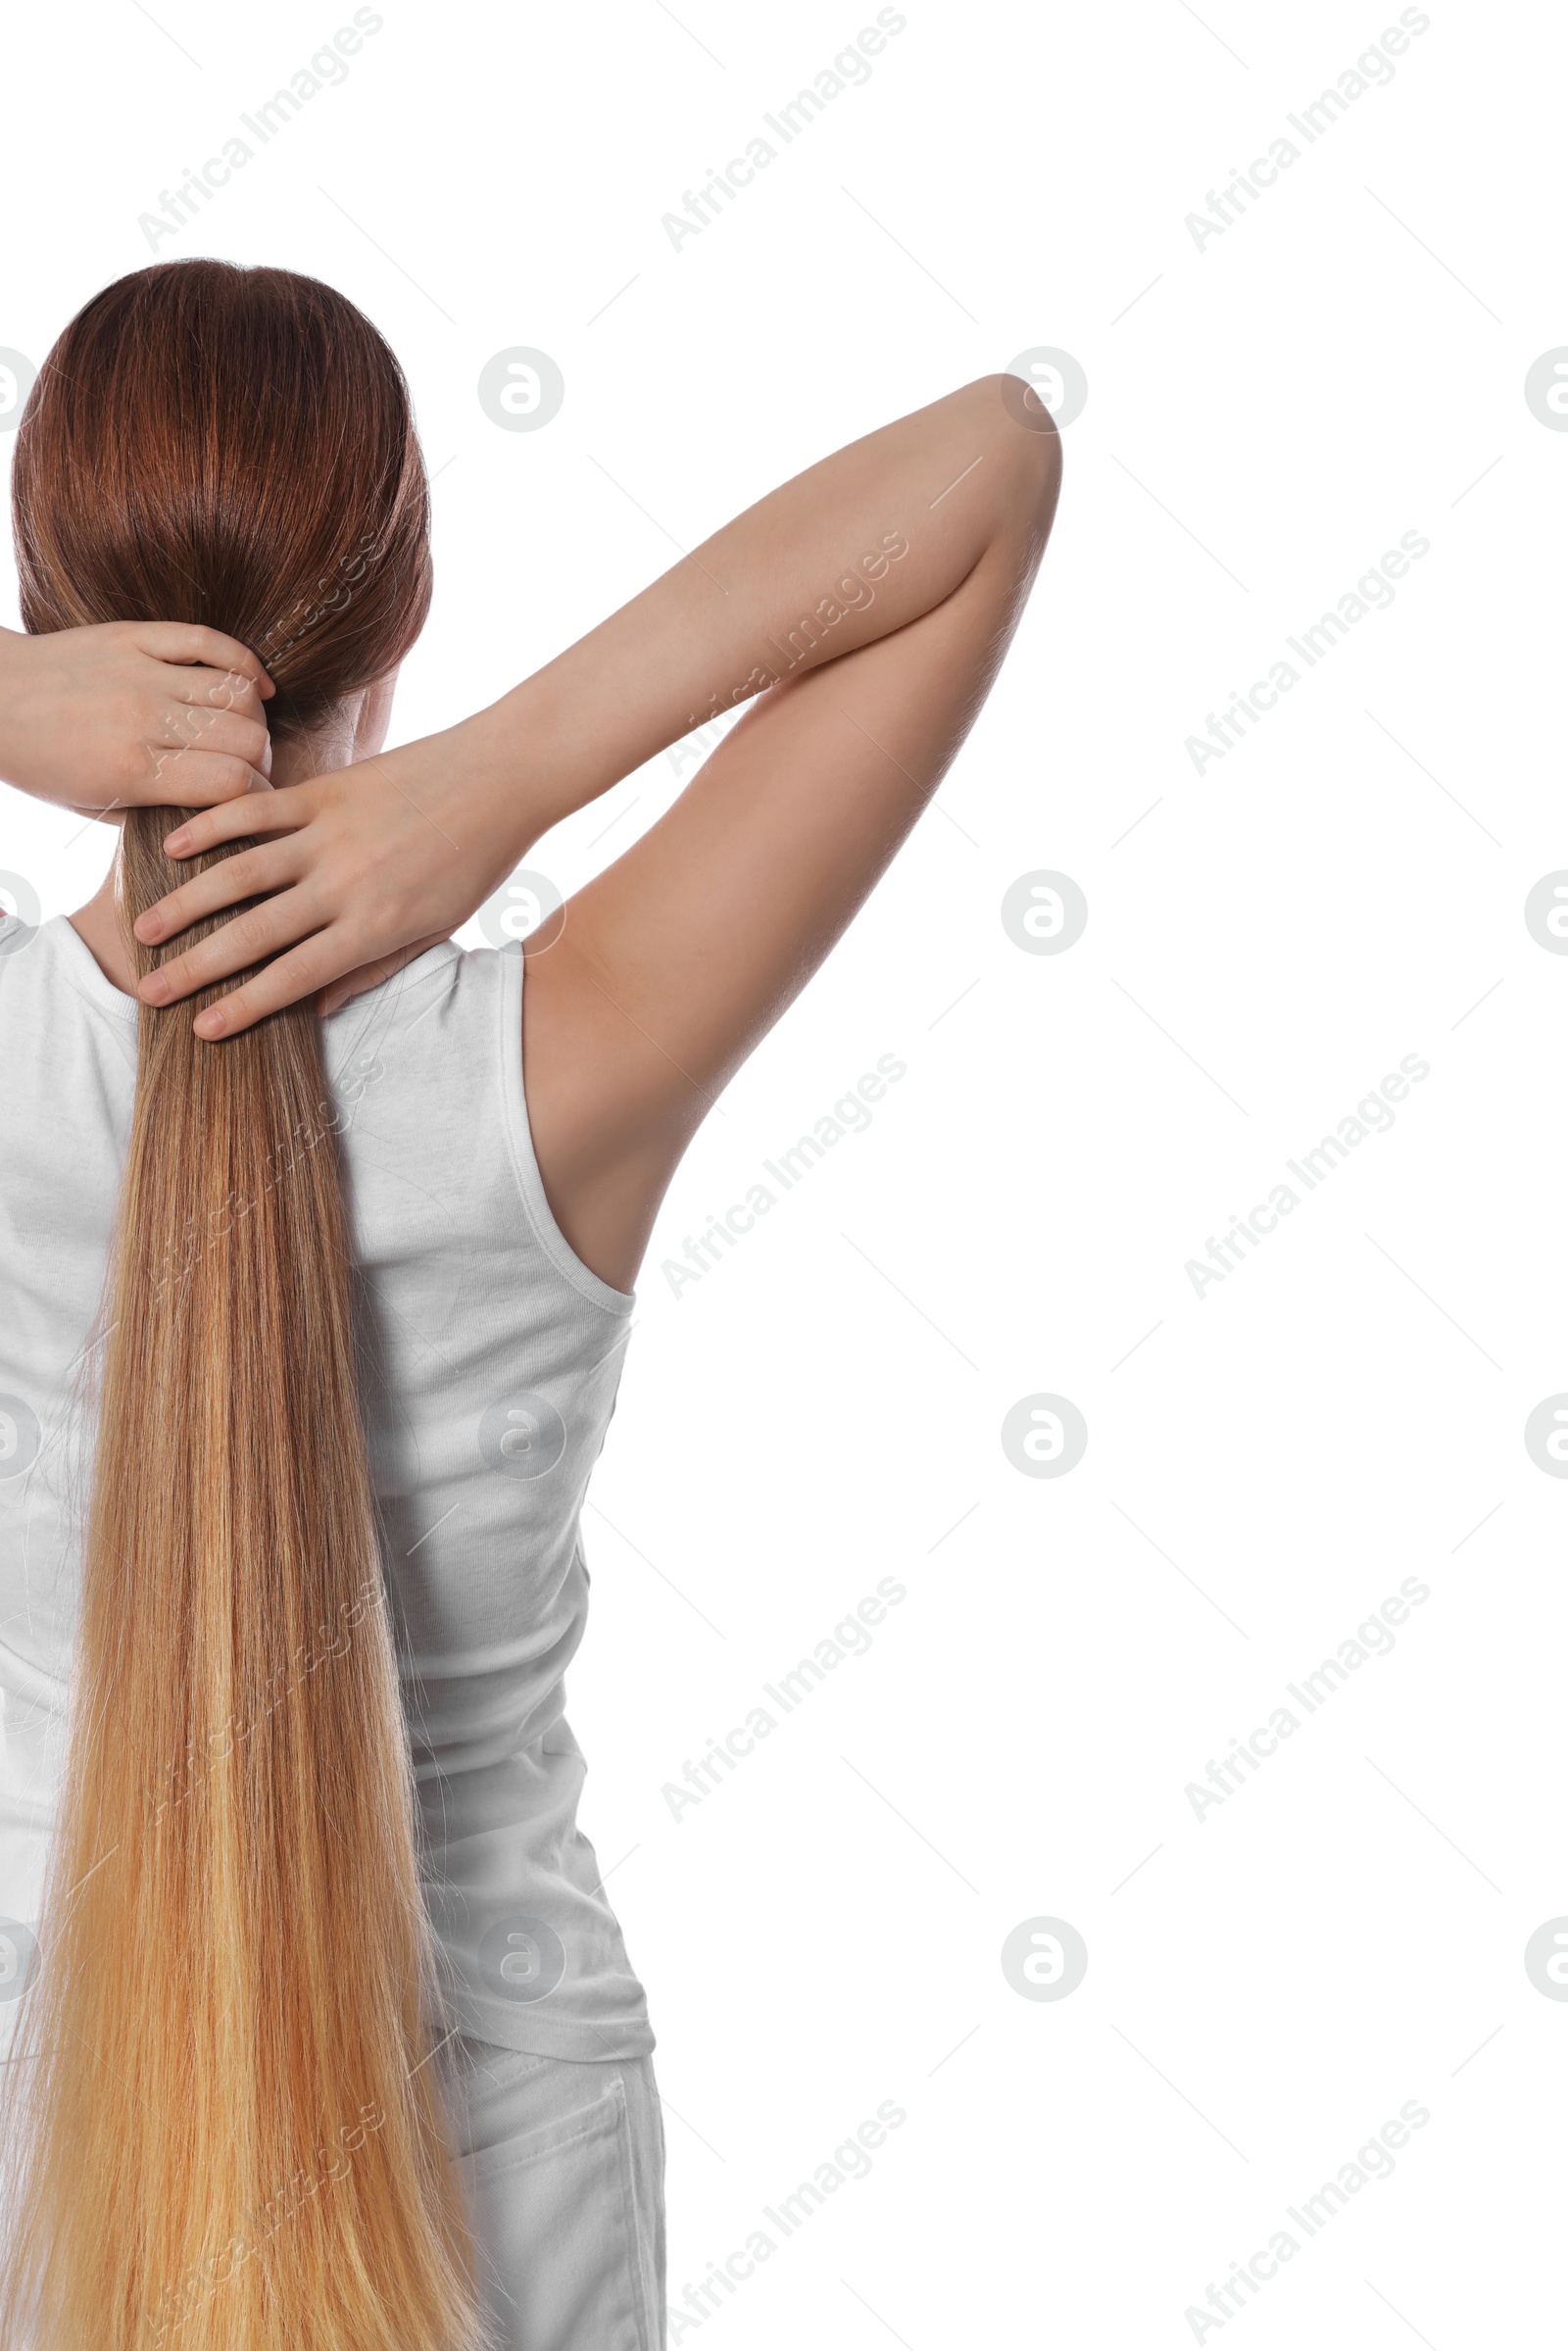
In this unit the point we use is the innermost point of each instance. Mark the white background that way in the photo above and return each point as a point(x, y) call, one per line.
point(1267, 413)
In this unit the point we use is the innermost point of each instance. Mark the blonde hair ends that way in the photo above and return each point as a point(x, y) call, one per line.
point(226, 2134)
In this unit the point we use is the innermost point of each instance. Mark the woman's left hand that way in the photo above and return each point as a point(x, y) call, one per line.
point(131, 715)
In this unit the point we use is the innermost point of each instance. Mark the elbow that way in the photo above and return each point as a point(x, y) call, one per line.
point(1026, 443)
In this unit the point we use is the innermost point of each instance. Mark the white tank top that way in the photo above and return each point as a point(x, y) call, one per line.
point(491, 1357)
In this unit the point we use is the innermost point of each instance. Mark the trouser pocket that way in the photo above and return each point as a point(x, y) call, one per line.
point(565, 2208)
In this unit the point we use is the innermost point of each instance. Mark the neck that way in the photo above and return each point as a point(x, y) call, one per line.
point(97, 925)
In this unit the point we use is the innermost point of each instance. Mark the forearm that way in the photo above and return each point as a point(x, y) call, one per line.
point(939, 519)
point(857, 546)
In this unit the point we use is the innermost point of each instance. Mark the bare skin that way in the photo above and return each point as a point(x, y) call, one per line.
point(132, 712)
point(912, 553)
point(356, 731)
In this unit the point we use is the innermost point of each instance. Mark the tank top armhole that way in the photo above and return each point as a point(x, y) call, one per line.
point(520, 1137)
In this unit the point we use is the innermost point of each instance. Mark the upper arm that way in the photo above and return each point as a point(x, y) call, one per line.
point(670, 968)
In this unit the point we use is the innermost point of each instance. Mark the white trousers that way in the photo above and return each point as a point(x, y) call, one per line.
point(563, 2169)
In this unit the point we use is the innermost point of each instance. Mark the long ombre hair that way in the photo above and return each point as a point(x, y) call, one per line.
point(226, 2134)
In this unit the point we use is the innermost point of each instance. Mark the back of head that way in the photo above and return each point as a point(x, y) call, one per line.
point(233, 447)
point(228, 2134)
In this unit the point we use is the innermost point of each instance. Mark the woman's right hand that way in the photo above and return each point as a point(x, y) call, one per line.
point(132, 713)
point(357, 871)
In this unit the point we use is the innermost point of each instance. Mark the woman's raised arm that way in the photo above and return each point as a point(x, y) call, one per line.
point(863, 608)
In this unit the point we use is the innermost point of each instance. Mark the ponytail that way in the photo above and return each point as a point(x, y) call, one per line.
point(224, 2126)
